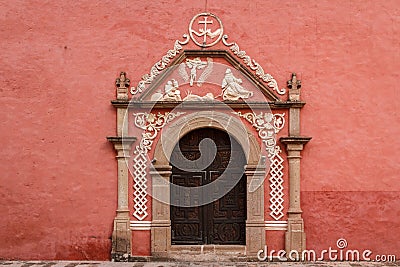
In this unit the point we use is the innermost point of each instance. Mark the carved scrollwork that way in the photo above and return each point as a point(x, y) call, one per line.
point(252, 64)
point(267, 125)
point(159, 66)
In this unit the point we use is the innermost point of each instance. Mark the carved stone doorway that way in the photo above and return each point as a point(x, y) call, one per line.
point(161, 172)
point(211, 155)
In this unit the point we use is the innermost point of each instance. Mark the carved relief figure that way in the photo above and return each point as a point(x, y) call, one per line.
point(192, 97)
point(232, 89)
point(172, 92)
point(194, 65)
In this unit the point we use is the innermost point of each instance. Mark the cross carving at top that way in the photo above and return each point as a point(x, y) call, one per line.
point(205, 30)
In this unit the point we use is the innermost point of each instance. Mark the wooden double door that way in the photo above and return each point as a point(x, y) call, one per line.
point(208, 190)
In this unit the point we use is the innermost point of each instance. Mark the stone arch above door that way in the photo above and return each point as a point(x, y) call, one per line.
point(161, 171)
point(207, 119)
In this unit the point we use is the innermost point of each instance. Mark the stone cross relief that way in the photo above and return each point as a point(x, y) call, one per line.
point(206, 32)
point(203, 35)
point(194, 65)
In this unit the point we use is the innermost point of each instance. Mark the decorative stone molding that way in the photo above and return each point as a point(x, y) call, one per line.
point(276, 225)
point(267, 125)
point(121, 236)
point(234, 47)
point(206, 105)
point(140, 225)
point(159, 66)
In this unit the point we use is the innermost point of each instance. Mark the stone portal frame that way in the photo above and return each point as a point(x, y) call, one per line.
point(255, 225)
point(254, 169)
point(295, 238)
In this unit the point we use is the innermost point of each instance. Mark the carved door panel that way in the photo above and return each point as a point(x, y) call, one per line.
point(223, 220)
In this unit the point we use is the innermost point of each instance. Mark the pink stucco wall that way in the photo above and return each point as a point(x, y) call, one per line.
point(57, 67)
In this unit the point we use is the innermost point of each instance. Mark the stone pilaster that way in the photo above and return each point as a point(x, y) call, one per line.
point(295, 237)
point(161, 223)
point(255, 223)
point(121, 237)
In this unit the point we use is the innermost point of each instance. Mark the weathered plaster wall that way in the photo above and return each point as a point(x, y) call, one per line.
point(57, 67)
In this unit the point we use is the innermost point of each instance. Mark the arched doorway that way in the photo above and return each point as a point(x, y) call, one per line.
point(209, 204)
point(161, 171)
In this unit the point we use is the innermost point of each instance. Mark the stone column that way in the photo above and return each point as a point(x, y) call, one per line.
point(161, 223)
point(121, 237)
point(255, 224)
point(295, 237)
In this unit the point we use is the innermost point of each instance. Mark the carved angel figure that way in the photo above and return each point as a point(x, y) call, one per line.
point(232, 89)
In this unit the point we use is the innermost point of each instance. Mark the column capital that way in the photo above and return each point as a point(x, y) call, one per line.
point(295, 143)
point(121, 143)
point(121, 140)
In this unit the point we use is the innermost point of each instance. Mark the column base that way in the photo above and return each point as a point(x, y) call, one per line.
point(255, 237)
point(295, 237)
point(160, 238)
point(121, 240)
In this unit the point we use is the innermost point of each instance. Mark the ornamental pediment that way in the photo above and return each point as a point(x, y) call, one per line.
point(206, 75)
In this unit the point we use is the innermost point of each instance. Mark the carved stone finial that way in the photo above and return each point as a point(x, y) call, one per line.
point(122, 84)
point(294, 85)
point(122, 81)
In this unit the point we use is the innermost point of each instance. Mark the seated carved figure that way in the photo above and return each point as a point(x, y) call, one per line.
point(172, 92)
point(231, 88)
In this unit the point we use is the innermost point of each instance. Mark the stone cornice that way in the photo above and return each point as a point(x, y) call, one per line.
point(121, 140)
point(206, 105)
point(295, 140)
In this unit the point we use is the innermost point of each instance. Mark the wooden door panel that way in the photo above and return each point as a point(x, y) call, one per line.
point(187, 227)
point(219, 222)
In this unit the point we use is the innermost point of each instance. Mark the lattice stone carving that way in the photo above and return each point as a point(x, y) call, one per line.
point(276, 185)
point(267, 125)
point(151, 124)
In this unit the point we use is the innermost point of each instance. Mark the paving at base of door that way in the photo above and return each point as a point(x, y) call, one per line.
point(183, 264)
